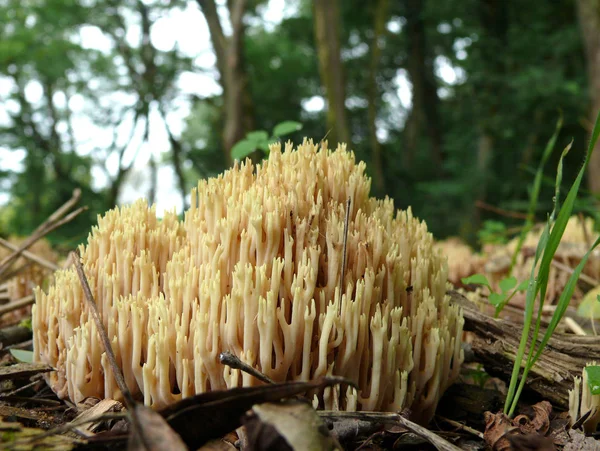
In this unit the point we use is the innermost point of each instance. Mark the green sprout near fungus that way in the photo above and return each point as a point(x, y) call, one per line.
point(537, 283)
point(260, 139)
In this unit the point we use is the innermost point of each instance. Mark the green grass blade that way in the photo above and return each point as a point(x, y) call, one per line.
point(563, 303)
point(549, 242)
point(535, 193)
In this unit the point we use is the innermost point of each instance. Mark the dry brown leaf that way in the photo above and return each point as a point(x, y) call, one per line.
point(23, 370)
point(292, 424)
point(152, 433)
point(579, 442)
point(540, 422)
point(104, 406)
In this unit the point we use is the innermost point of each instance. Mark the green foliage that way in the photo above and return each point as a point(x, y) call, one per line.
point(546, 248)
point(478, 375)
point(492, 232)
point(508, 288)
point(260, 140)
point(589, 307)
point(535, 193)
point(22, 355)
point(593, 378)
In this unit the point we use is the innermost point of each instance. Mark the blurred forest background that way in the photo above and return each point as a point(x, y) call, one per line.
point(450, 102)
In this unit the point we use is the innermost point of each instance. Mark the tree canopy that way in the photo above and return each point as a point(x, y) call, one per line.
point(450, 103)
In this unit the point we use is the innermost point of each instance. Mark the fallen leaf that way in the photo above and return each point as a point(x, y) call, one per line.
point(496, 428)
point(23, 370)
point(540, 422)
point(15, 436)
point(218, 445)
point(578, 441)
point(589, 307)
point(220, 412)
point(530, 442)
point(293, 424)
point(152, 432)
point(22, 355)
point(104, 406)
point(521, 433)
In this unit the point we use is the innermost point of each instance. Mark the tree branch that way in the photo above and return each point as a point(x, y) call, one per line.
point(217, 37)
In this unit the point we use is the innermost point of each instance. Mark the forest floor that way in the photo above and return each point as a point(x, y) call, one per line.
point(274, 416)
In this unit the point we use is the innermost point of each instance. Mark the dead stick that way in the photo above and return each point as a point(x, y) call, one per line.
point(500, 211)
point(51, 228)
point(393, 418)
point(52, 223)
point(30, 255)
point(570, 270)
point(135, 411)
point(11, 306)
point(118, 375)
point(227, 358)
point(345, 244)
point(434, 439)
point(51, 219)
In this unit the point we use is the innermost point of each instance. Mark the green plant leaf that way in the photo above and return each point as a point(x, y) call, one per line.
point(496, 299)
point(549, 242)
point(508, 284)
point(593, 378)
point(242, 149)
point(589, 307)
point(478, 279)
point(535, 192)
point(264, 146)
point(286, 127)
point(257, 136)
point(523, 285)
point(22, 355)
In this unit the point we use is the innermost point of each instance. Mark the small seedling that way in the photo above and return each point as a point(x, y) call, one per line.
point(544, 254)
point(260, 140)
point(593, 378)
point(22, 355)
point(508, 288)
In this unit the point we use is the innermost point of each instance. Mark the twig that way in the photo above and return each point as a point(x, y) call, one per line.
point(34, 380)
point(325, 137)
point(30, 255)
point(118, 375)
point(13, 334)
point(227, 358)
point(11, 306)
point(575, 328)
point(570, 270)
point(461, 426)
point(147, 425)
point(52, 223)
point(15, 272)
point(70, 426)
point(346, 221)
point(434, 439)
point(394, 418)
point(500, 211)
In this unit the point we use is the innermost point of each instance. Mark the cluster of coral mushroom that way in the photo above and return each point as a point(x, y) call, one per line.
point(254, 268)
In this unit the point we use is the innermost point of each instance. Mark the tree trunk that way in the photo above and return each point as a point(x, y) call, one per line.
point(326, 20)
point(493, 16)
point(230, 63)
point(381, 14)
point(425, 114)
point(589, 20)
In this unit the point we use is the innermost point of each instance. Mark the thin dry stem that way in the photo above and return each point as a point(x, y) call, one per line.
point(11, 306)
point(52, 223)
point(118, 375)
point(30, 255)
point(227, 358)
